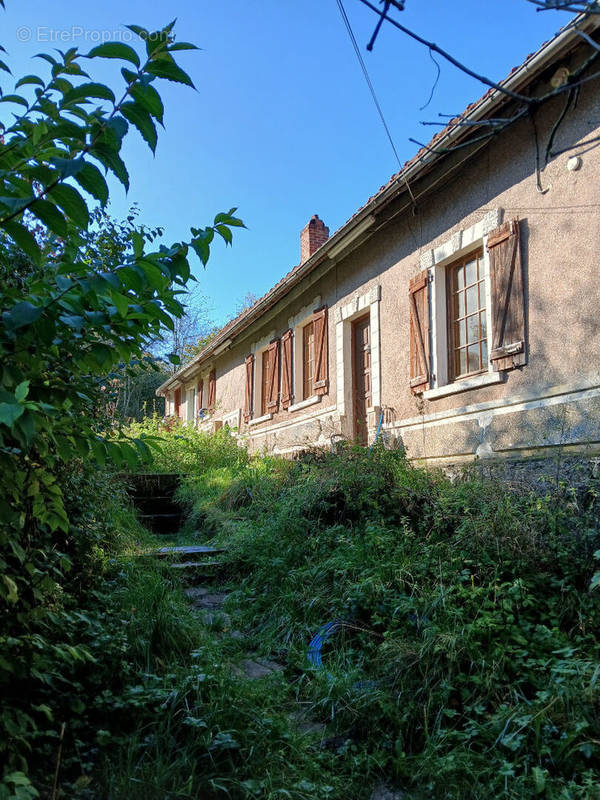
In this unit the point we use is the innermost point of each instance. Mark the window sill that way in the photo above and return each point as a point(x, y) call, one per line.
point(477, 381)
point(258, 420)
point(310, 401)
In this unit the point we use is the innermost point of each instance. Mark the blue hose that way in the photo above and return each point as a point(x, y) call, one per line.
point(378, 431)
point(324, 633)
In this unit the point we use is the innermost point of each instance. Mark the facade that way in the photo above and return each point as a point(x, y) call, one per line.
point(456, 313)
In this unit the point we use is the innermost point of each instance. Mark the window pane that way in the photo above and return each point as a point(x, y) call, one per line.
point(483, 325)
point(474, 363)
point(460, 277)
point(461, 361)
point(482, 302)
point(471, 272)
point(459, 305)
point(473, 328)
point(484, 354)
point(472, 300)
point(460, 334)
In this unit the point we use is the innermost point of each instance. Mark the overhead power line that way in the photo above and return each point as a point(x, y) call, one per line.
point(365, 72)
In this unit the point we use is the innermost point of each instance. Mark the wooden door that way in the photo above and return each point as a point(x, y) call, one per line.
point(361, 376)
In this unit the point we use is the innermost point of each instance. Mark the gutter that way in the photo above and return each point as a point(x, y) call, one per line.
point(364, 220)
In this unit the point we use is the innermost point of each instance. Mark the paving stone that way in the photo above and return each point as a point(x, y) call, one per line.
point(255, 669)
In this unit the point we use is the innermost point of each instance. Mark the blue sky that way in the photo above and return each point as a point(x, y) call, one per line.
point(282, 125)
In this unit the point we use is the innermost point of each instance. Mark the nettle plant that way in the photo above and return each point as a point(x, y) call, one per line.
point(69, 316)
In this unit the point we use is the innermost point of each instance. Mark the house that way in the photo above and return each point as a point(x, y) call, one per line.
point(455, 313)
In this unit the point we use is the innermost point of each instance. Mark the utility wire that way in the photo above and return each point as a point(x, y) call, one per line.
point(363, 66)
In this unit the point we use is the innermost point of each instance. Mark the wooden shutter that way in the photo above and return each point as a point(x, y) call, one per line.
point(177, 401)
point(212, 389)
point(508, 297)
point(249, 362)
point(321, 370)
point(199, 395)
point(418, 293)
point(273, 394)
point(286, 369)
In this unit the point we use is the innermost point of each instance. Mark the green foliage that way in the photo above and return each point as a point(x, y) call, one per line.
point(180, 447)
point(468, 662)
point(81, 296)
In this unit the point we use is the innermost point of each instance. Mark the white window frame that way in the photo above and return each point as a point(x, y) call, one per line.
point(190, 403)
point(367, 302)
point(437, 262)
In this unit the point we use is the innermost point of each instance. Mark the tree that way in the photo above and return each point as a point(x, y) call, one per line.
point(75, 305)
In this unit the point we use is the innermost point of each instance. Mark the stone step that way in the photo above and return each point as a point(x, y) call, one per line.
point(189, 550)
point(195, 565)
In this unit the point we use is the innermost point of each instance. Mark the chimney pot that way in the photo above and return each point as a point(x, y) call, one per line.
point(314, 234)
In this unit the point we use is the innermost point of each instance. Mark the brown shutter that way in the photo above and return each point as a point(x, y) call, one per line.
point(321, 370)
point(508, 300)
point(249, 362)
point(286, 369)
point(273, 395)
point(199, 394)
point(212, 389)
point(418, 293)
point(177, 401)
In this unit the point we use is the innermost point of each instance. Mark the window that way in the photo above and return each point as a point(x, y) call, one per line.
point(265, 381)
point(467, 317)
point(308, 359)
point(467, 311)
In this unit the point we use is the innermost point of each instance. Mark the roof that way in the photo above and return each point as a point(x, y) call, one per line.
point(413, 169)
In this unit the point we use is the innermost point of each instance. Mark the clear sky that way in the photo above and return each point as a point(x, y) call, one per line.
point(282, 125)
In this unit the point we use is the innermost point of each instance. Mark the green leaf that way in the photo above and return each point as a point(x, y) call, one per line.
point(22, 391)
point(10, 413)
point(182, 46)
point(121, 302)
point(174, 358)
point(115, 50)
point(225, 233)
point(14, 98)
point(139, 31)
point(71, 203)
point(48, 213)
point(87, 90)
point(169, 71)
point(202, 250)
point(12, 596)
point(68, 167)
point(149, 99)
point(4, 67)
point(21, 314)
point(112, 161)
point(29, 79)
point(142, 120)
point(91, 180)
point(24, 239)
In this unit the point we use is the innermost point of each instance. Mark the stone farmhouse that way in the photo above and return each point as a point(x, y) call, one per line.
point(457, 312)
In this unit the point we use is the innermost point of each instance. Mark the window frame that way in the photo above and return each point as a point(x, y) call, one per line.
point(442, 381)
point(308, 380)
point(265, 373)
point(482, 278)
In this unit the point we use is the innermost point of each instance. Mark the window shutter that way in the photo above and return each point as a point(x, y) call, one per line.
point(286, 369)
point(199, 395)
point(249, 362)
point(418, 293)
point(508, 300)
point(321, 370)
point(177, 401)
point(273, 395)
point(212, 389)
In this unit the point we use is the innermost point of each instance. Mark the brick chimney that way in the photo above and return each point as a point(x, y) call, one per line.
point(313, 235)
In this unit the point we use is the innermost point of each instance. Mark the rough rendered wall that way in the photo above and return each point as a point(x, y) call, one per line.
point(555, 398)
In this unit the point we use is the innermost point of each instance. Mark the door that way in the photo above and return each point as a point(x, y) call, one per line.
point(361, 376)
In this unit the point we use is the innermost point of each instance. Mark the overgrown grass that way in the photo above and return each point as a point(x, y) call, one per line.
point(469, 662)
point(466, 663)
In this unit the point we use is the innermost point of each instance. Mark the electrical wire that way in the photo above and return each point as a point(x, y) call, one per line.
point(365, 72)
